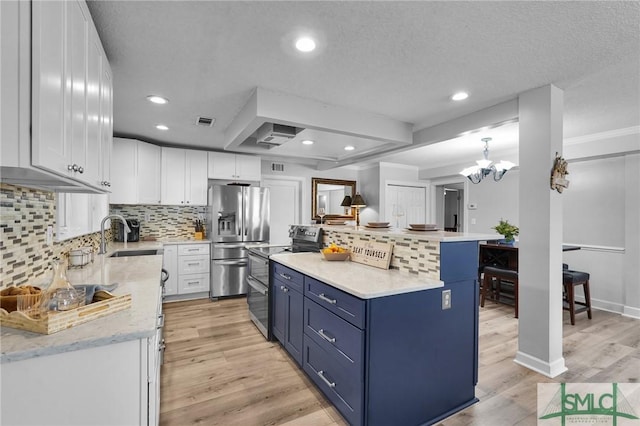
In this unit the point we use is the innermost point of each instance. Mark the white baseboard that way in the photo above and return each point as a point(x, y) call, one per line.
point(549, 369)
point(631, 312)
point(604, 305)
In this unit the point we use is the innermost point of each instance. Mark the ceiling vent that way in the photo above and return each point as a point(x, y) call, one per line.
point(274, 134)
point(205, 121)
point(277, 167)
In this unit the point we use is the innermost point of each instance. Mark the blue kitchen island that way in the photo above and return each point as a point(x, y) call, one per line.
point(386, 347)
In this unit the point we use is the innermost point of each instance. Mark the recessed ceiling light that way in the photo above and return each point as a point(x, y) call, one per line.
point(162, 127)
point(305, 44)
point(307, 142)
point(349, 148)
point(157, 99)
point(460, 96)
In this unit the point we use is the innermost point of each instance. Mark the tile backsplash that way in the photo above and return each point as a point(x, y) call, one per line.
point(162, 221)
point(412, 255)
point(25, 214)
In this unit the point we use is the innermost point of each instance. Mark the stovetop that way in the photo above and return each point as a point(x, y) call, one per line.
point(267, 251)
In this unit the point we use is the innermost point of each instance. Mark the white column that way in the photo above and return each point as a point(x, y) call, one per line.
point(540, 244)
point(632, 241)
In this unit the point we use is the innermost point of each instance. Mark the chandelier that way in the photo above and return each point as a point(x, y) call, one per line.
point(486, 167)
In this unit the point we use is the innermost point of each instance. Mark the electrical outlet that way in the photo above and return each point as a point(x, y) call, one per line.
point(147, 217)
point(49, 235)
point(446, 299)
point(473, 220)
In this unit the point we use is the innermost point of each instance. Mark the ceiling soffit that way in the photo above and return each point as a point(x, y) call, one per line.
point(334, 127)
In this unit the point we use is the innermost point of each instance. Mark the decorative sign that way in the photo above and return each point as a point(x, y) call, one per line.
point(372, 254)
point(558, 173)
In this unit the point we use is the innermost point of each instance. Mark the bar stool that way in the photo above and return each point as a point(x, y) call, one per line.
point(499, 275)
point(571, 279)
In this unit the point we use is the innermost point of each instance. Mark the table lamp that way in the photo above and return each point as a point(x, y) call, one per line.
point(358, 202)
point(346, 203)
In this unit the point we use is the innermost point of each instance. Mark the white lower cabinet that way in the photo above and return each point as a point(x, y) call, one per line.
point(116, 384)
point(188, 266)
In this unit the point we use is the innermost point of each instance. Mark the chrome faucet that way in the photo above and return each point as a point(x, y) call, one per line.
point(103, 242)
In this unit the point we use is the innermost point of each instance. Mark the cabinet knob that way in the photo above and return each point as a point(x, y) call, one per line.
point(80, 169)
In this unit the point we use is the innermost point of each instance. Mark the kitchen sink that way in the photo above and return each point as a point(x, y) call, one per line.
point(147, 252)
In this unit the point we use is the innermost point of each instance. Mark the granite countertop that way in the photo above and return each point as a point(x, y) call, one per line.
point(442, 236)
point(135, 275)
point(363, 281)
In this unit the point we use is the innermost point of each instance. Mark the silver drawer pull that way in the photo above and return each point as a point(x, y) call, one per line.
point(285, 276)
point(324, 379)
point(283, 288)
point(326, 299)
point(193, 263)
point(325, 337)
point(160, 321)
point(193, 282)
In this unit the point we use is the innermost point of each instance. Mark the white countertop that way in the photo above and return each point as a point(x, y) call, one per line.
point(365, 282)
point(442, 236)
point(135, 275)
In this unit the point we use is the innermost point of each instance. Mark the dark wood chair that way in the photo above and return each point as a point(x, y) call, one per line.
point(570, 280)
point(493, 283)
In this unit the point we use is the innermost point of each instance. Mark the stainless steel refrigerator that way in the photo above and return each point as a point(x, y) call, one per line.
point(237, 216)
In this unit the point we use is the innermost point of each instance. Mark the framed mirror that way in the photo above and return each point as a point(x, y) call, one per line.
point(329, 194)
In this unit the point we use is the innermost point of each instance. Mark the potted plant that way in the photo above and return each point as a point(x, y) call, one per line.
point(507, 230)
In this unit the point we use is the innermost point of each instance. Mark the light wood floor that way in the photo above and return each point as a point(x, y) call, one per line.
point(219, 370)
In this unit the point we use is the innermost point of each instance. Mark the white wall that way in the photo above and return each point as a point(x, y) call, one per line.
point(369, 188)
point(304, 173)
point(495, 201)
point(600, 210)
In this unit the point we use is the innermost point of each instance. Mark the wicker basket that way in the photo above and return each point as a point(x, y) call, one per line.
point(104, 304)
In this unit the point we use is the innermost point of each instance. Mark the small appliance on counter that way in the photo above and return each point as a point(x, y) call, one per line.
point(133, 236)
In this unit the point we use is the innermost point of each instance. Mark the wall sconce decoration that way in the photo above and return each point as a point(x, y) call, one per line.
point(558, 173)
point(346, 203)
point(357, 203)
point(485, 167)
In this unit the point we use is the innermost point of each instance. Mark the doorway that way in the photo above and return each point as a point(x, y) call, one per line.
point(284, 205)
point(449, 207)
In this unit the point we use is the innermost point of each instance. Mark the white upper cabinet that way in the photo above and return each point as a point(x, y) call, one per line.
point(223, 165)
point(60, 54)
point(106, 124)
point(148, 166)
point(136, 172)
point(184, 177)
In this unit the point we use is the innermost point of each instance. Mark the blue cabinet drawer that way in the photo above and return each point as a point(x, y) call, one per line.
point(343, 391)
point(337, 301)
point(342, 340)
point(288, 276)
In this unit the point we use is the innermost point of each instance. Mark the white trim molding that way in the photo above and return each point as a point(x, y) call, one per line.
point(552, 369)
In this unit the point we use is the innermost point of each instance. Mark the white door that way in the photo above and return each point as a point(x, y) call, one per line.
point(284, 202)
point(405, 204)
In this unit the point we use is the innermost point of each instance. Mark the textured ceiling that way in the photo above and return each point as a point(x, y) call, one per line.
point(398, 59)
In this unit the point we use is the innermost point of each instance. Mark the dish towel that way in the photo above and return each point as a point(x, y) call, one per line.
point(92, 288)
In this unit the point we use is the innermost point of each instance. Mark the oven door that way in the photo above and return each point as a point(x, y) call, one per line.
point(258, 268)
point(258, 301)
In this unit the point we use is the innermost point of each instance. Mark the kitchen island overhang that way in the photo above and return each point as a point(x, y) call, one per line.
point(420, 359)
